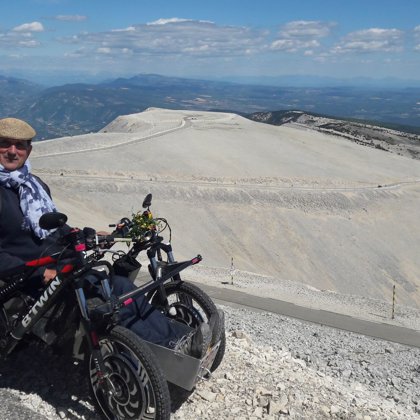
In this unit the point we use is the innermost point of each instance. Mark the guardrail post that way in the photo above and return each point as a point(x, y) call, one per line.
point(393, 303)
point(232, 270)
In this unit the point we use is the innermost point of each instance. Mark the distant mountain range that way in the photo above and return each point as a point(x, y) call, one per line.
point(73, 109)
point(325, 81)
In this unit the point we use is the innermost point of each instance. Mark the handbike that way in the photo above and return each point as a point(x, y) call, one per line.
point(124, 376)
point(177, 299)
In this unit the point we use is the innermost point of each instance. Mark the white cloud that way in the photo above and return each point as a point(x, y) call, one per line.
point(175, 37)
point(70, 18)
point(29, 27)
point(165, 21)
point(306, 29)
point(29, 43)
point(104, 50)
point(175, 20)
point(301, 35)
point(128, 29)
point(417, 38)
point(19, 39)
point(176, 44)
point(370, 41)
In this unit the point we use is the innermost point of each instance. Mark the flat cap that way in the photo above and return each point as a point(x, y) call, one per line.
point(15, 129)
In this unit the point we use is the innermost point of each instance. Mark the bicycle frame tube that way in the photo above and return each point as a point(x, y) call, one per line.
point(153, 251)
point(44, 302)
point(127, 298)
point(38, 309)
point(169, 252)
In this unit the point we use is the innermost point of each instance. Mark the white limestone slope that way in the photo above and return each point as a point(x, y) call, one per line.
point(298, 205)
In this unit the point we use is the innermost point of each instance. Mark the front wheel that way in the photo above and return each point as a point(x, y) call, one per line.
point(188, 304)
point(133, 385)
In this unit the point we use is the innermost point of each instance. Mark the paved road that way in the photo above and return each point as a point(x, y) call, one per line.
point(383, 331)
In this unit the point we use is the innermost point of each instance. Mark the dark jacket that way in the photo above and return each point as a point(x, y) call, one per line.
point(17, 245)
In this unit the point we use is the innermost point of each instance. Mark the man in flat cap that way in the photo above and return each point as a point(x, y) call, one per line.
point(24, 198)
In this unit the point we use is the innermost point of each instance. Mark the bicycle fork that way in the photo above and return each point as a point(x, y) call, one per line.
point(102, 376)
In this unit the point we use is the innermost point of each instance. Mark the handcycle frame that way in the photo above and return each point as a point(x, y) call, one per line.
point(191, 305)
point(180, 369)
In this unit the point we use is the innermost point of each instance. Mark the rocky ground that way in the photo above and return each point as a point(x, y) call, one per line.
point(275, 367)
point(282, 368)
point(393, 141)
point(363, 133)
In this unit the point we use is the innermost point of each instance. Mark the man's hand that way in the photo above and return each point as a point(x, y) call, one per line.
point(49, 274)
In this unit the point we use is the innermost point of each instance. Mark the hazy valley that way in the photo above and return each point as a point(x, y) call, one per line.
point(74, 109)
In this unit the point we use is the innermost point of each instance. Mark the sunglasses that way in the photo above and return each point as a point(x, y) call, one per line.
point(20, 145)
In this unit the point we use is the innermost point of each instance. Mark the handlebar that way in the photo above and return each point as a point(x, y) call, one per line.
point(142, 230)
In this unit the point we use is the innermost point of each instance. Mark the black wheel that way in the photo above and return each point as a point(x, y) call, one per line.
point(188, 304)
point(136, 387)
point(220, 352)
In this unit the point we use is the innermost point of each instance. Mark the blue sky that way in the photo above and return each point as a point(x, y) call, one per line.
point(70, 40)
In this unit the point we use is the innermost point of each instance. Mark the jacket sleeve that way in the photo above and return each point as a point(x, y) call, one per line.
point(7, 260)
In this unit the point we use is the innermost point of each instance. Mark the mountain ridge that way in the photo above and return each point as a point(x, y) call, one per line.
point(384, 137)
point(285, 201)
point(80, 108)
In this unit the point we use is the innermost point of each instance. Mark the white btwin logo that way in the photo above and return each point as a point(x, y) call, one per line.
point(41, 302)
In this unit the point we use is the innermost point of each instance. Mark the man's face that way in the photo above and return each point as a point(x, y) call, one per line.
point(13, 153)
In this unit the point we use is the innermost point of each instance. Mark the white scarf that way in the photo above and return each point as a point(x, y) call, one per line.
point(34, 200)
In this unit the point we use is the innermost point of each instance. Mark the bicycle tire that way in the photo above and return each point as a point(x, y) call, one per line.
point(140, 390)
point(186, 294)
